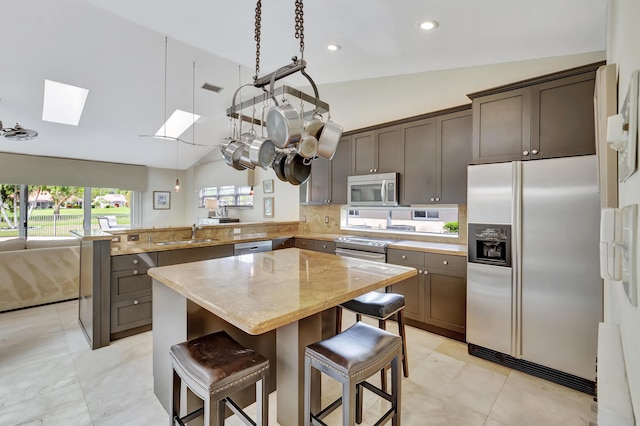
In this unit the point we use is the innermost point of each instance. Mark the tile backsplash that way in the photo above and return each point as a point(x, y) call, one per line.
point(326, 219)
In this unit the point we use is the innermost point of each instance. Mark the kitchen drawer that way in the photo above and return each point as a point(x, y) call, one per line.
point(129, 283)
point(405, 257)
point(194, 254)
point(445, 261)
point(282, 243)
point(131, 261)
point(305, 243)
point(130, 313)
point(325, 246)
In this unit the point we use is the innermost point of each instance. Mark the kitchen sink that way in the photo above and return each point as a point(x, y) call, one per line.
point(180, 242)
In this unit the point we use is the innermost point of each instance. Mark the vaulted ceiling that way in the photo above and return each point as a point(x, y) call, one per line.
point(116, 49)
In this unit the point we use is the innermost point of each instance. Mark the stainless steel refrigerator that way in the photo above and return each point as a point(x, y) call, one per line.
point(534, 293)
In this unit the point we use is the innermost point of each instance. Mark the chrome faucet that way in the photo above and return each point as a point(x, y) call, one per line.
point(194, 230)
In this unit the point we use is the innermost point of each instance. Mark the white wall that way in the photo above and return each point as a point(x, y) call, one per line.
point(367, 102)
point(164, 180)
point(622, 49)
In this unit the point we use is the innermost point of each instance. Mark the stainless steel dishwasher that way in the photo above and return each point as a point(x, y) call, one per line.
point(252, 247)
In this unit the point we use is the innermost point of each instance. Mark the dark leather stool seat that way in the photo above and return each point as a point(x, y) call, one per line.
point(214, 367)
point(351, 357)
point(380, 306)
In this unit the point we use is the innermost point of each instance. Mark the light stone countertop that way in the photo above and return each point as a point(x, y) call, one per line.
point(91, 234)
point(263, 291)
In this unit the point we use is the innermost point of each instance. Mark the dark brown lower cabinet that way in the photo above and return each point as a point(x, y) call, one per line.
point(436, 299)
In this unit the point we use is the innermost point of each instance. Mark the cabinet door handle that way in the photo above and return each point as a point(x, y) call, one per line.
point(426, 272)
point(370, 170)
point(437, 199)
point(324, 246)
point(135, 272)
point(375, 170)
point(136, 301)
point(136, 261)
point(433, 199)
point(525, 152)
point(445, 262)
point(419, 271)
point(534, 151)
point(404, 256)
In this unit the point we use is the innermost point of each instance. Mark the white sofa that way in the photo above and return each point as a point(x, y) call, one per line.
point(36, 272)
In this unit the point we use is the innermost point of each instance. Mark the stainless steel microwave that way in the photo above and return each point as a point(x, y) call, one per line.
point(373, 190)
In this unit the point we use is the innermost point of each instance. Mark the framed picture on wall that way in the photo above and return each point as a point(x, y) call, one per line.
point(161, 200)
point(267, 186)
point(268, 206)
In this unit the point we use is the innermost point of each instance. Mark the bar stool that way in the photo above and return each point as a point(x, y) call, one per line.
point(215, 367)
point(380, 306)
point(350, 358)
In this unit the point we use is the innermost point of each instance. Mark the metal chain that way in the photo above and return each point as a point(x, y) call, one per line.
point(257, 34)
point(300, 26)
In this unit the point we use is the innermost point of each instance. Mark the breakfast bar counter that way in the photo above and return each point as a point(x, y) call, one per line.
point(258, 298)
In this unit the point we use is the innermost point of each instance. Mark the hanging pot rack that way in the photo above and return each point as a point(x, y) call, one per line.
point(297, 65)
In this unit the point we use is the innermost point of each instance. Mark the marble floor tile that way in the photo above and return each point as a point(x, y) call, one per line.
point(473, 387)
point(50, 376)
point(63, 407)
point(30, 381)
point(526, 400)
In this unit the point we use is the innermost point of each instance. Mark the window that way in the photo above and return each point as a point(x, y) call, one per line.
point(441, 220)
point(230, 196)
point(53, 211)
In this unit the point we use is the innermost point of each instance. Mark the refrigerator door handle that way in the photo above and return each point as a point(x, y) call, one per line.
point(516, 312)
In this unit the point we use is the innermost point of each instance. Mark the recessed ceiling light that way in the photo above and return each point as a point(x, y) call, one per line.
point(63, 103)
point(177, 124)
point(428, 25)
point(334, 47)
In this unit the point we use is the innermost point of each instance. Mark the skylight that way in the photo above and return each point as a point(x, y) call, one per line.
point(63, 103)
point(177, 124)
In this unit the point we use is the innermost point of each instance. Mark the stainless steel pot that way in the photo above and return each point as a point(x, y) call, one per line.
point(313, 125)
point(284, 125)
point(232, 154)
point(308, 146)
point(262, 152)
point(244, 157)
point(329, 138)
point(296, 169)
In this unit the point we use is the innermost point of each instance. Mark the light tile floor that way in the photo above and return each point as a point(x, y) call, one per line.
point(49, 376)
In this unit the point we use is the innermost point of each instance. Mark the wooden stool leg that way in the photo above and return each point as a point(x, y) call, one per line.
point(220, 412)
point(338, 319)
point(382, 324)
point(395, 391)
point(405, 361)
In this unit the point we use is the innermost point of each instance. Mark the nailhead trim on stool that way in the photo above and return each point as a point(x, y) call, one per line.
point(351, 357)
point(380, 306)
point(215, 367)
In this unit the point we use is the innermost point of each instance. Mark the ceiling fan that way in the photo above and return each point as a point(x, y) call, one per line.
point(17, 133)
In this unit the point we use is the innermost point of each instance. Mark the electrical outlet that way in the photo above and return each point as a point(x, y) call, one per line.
point(326, 219)
point(132, 237)
point(116, 239)
point(237, 230)
point(304, 218)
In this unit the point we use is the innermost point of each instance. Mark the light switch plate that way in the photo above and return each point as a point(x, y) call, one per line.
point(629, 240)
point(627, 152)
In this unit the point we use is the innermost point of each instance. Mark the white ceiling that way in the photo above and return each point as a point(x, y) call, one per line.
point(115, 48)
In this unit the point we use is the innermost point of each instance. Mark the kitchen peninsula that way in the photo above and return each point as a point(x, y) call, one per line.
point(272, 302)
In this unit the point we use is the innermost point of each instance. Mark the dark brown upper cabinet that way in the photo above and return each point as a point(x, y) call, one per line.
point(437, 152)
point(546, 117)
point(377, 151)
point(328, 181)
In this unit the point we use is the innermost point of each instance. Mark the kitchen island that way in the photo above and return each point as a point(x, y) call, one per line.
point(272, 302)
